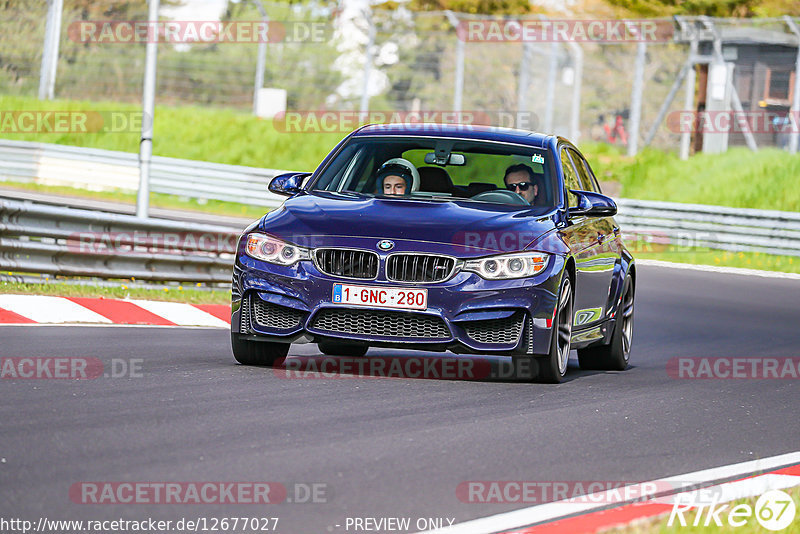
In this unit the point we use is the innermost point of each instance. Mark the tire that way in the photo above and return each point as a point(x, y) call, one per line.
point(257, 352)
point(553, 367)
point(615, 355)
point(333, 348)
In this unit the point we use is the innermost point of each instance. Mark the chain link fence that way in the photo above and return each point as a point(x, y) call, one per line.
point(399, 60)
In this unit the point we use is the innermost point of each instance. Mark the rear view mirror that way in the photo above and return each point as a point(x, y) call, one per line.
point(288, 184)
point(592, 205)
point(431, 158)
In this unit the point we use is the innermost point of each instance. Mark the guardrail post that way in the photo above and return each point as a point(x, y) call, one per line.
point(550, 92)
point(794, 112)
point(364, 107)
point(688, 101)
point(636, 98)
point(524, 77)
point(575, 111)
point(261, 60)
point(52, 38)
point(148, 103)
point(458, 90)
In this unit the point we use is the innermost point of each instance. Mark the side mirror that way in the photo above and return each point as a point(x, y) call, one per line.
point(288, 184)
point(592, 205)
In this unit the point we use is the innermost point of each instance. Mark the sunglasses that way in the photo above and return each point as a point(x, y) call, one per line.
point(523, 186)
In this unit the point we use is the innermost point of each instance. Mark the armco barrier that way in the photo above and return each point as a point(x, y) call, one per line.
point(716, 227)
point(95, 169)
point(42, 239)
point(37, 238)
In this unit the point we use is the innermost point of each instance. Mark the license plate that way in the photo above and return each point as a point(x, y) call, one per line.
point(381, 297)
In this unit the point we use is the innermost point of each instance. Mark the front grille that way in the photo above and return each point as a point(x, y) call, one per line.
point(380, 323)
point(361, 264)
point(419, 268)
point(268, 315)
point(497, 331)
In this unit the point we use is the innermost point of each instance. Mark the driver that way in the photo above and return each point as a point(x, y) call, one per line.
point(396, 177)
point(522, 180)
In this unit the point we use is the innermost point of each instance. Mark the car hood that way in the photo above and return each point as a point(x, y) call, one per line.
point(461, 228)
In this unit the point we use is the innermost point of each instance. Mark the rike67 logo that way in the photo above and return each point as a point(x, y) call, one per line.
point(774, 510)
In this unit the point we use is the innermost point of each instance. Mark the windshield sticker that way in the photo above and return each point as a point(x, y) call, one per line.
point(537, 158)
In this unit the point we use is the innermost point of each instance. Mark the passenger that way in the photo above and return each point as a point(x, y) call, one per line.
point(522, 180)
point(396, 177)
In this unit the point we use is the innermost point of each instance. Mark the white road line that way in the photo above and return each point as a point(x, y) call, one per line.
point(733, 491)
point(721, 270)
point(180, 313)
point(46, 309)
point(554, 510)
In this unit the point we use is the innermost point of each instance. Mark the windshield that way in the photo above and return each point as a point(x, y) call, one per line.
point(442, 169)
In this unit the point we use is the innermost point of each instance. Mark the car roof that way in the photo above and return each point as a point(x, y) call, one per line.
point(480, 133)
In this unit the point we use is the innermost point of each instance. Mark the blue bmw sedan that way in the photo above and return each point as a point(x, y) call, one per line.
point(471, 240)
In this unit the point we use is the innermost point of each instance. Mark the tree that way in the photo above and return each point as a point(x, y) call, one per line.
point(711, 8)
point(489, 7)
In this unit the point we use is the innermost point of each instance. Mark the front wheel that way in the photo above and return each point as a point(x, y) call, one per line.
point(257, 352)
point(615, 355)
point(553, 367)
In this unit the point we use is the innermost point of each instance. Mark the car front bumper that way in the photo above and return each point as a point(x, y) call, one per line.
point(465, 314)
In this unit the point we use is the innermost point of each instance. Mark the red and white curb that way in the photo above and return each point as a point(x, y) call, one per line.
point(605, 510)
point(41, 309)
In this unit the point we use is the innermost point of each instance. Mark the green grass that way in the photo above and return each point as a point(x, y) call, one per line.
point(658, 525)
point(718, 258)
point(186, 294)
point(739, 178)
point(158, 200)
point(190, 132)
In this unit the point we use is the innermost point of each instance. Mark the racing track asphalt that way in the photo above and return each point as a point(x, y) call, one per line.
point(395, 447)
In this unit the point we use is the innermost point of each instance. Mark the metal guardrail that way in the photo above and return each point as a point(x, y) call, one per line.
point(95, 169)
point(717, 227)
point(37, 238)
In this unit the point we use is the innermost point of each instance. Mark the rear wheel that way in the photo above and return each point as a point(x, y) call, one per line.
point(615, 355)
point(333, 348)
point(553, 367)
point(257, 352)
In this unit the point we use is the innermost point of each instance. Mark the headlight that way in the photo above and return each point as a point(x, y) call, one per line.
point(507, 266)
point(269, 249)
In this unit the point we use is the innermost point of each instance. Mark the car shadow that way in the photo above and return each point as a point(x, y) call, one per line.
point(412, 365)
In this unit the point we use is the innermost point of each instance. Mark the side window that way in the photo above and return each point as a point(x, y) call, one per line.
point(583, 174)
point(588, 181)
point(570, 178)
